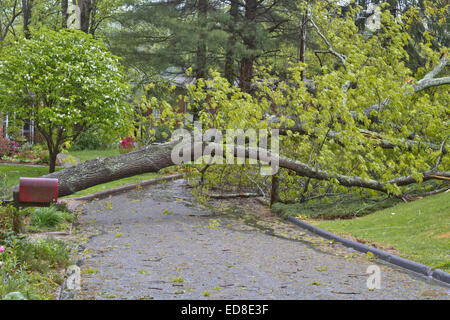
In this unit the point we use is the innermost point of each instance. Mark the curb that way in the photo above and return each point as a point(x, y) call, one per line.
point(416, 267)
point(106, 193)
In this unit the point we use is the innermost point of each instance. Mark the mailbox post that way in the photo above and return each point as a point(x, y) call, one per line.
point(36, 192)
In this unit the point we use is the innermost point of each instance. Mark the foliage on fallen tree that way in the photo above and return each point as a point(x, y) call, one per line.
point(369, 122)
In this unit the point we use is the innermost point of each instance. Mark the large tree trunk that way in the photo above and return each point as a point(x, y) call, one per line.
point(64, 13)
point(27, 5)
point(246, 69)
point(53, 158)
point(302, 50)
point(155, 158)
point(85, 14)
point(102, 170)
point(201, 46)
point(230, 54)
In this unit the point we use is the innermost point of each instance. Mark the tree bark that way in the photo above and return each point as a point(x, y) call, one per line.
point(93, 23)
point(154, 158)
point(302, 51)
point(274, 190)
point(85, 14)
point(102, 170)
point(246, 69)
point(27, 5)
point(201, 47)
point(230, 54)
point(64, 13)
point(53, 158)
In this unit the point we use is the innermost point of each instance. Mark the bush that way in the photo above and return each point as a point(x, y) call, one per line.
point(94, 139)
point(31, 269)
point(7, 146)
point(45, 158)
point(127, 145)
point(335, 208)
point(12, 274)
point(27, 268)
point(11, 219)
point(26, 153)
point(39, 154)
point(88, 140)
point(44, 254)
point(5, 191)
point(4, 145)
point(49, 217)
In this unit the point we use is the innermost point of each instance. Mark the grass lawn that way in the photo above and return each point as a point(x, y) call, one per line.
point(419, 230)
point(14, 172)
point(116, 183)
point(84, 155)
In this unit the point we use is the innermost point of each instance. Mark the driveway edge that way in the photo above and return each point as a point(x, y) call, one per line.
point(436, 274)
point(131, 186)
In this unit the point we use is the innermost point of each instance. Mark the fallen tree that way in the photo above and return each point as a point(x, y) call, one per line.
point(428, 81)
point(367, 124)
point(156, 157)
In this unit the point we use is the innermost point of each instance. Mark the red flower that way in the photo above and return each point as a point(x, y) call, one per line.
point(128, 142)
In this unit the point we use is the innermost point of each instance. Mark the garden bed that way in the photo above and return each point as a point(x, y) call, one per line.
point(33, 254)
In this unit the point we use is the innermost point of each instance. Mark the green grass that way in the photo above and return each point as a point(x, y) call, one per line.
point(92, 154)
point(84, 155)
point(116, 183)
point(49, 217)
point(337, 208)
point(418, 230)
point(14, 172)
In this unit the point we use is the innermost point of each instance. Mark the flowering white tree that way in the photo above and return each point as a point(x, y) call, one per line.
point(65, 82)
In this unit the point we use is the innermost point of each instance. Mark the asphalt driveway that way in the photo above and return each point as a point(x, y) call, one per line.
point(157, 242)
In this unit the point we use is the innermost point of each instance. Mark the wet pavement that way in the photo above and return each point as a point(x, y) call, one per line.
point(157, 242)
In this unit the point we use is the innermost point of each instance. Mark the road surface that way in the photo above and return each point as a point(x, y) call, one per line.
point(157, 242)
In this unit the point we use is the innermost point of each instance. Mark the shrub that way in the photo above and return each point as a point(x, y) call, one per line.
point(26, 267)
point(49, 217)
point(12, 273)
point(92, 139)
point(44, 158)
point(127, 145)
point(5, 191)
point(11, 219)
point(7, 147)
point(44, 254)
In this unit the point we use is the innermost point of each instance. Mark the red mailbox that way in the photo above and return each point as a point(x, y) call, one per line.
point(39, 191)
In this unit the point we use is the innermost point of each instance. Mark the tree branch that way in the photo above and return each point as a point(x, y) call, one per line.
point(341, 57)
point(154, 158)
point(428, 83)
point(300, 128)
